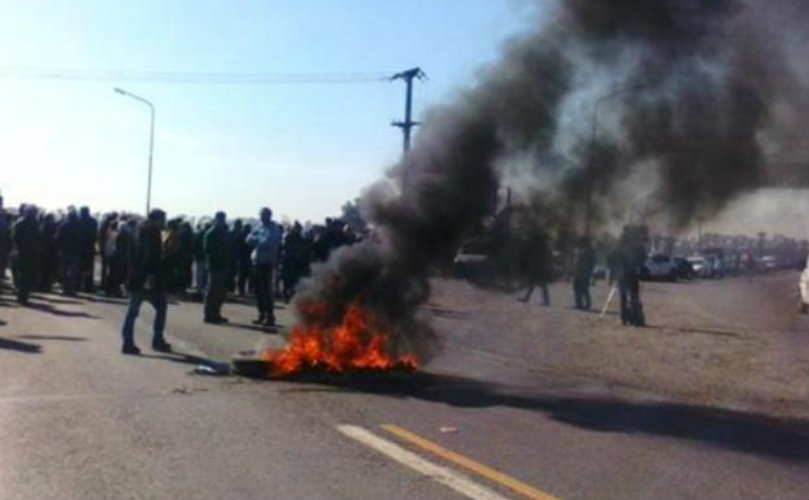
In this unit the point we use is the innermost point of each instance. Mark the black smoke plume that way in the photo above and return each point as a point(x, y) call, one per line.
point(691, 85)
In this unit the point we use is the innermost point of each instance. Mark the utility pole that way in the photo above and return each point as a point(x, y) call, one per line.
point(408, 123)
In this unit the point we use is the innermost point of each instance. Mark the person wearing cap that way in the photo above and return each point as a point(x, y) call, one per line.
point(147, 282)
point(217, 257)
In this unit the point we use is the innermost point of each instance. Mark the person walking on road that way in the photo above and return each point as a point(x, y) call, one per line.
point(217, 257)
point(147, 282)
point(265, 240)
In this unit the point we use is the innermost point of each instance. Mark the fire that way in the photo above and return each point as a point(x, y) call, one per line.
point(356, 343)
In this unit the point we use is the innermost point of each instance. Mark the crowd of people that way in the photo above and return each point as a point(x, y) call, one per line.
point(149, 259)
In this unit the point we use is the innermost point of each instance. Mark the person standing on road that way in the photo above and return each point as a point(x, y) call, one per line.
point(26, 238)
point(5, 241)
point(49, 254)
point(103, 238)
point(68, 238)
point(535, 258)
point(294, 258)
point(584, 263)
point(265, 240)
point(124, 248)
point(201, 269)
point(236, 242)
point(89, 235)
point(630, 256)
point(245, 265)
point(147, 282)
point(217, 257)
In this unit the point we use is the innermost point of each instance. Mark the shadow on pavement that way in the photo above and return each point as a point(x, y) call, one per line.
point(15, 345)
point(7, 302)
point(118, 301)
point(786, 439)
point(55, 300)
point(187, 359)
point(255, 328)
point(60, 312)
point(706, 331)
point(52, 337)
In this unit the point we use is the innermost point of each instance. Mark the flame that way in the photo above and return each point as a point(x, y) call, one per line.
point(356, 343)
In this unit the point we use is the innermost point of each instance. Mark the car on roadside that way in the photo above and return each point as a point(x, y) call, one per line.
point(767, 263)
point(684, 269)
point(660, 266)
point(700, 266)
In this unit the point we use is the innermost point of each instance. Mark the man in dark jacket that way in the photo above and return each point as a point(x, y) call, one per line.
point(583, 265)
point(68, 239)
point(630, 256)
point(245, 265)
point(217, 257)
point(49, 253)
point(201, 269)
point(89, 235)
point(535, 258)
point(236, 242)
point(147, 282)
point(294, 260)
point(5, 241)
point(26, 237)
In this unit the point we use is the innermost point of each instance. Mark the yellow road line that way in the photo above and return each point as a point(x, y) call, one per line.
point(467, 463)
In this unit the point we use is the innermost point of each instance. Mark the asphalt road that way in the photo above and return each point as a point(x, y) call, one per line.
point(523, 402)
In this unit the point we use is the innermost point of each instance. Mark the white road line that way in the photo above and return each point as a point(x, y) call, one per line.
point(443, 475)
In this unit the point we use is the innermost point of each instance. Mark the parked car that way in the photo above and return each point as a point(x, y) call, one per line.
point(660, 266)
point(803, 286)
point(767, 263)
point(700, 266)
point(684, 268)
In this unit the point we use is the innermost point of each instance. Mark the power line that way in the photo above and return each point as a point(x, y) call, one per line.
point(190, 77)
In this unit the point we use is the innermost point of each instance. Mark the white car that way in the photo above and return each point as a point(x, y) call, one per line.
point(700, 265)
point(661, 266)
point(803, 286)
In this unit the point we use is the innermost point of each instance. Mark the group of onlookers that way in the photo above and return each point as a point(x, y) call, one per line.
point(148, 259)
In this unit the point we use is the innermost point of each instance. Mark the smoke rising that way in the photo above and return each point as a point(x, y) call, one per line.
point(615, 105)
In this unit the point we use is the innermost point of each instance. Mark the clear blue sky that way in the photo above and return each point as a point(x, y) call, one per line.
point(302, 149)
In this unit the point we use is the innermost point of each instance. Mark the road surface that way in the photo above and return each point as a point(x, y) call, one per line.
point(524, 401)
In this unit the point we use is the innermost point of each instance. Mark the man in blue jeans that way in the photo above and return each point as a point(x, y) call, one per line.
point(265, 240)
point(147, 282)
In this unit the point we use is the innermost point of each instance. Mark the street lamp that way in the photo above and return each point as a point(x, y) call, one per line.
point(151, 144)
point(599, 102)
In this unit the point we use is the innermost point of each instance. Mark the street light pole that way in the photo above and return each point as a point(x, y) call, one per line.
point(151, 144)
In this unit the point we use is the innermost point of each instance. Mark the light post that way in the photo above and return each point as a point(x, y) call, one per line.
point(594, 125)
point(151, 144)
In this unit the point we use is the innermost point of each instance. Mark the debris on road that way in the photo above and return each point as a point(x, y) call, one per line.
point(446, 429)
point(217, 369)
